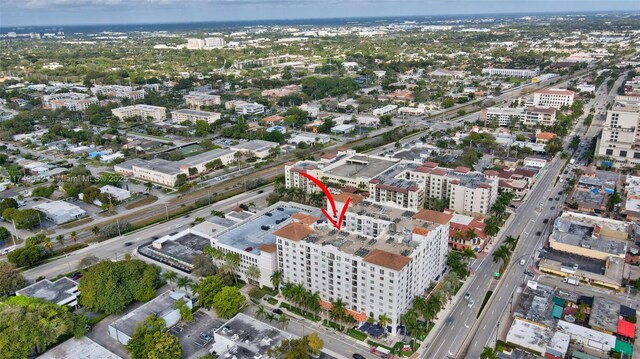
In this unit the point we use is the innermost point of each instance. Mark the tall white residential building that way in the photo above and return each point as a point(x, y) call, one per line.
point(528, 116)
point(196, 100)
point(553, 98)
point(377, 264)
point(511, 72)
point(400, 184)
point(144, 111)
point(619, 143)
point(214, 42)
point(194, 115)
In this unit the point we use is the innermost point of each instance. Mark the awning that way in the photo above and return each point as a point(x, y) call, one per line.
point(622, 347)
point(626, 329)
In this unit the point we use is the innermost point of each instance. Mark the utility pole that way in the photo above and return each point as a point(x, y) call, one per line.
point(166, 209)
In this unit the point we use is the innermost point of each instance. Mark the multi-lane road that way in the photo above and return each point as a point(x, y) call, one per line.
point(117, 247)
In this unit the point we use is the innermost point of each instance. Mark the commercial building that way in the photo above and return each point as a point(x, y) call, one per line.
point(619, 144)
point(60, 212)
point(411, 111)
point(63, 291)
point(282, 91)
point(199, 162)
point(528, 116)
point(197, 100)
point(377, 263)
point(385, 110)
point(553, 98)
point(309, 138)
point(119, 194)
point(229, 340)
point(539, 338)
point(194, 115)
point(259, 148)
point(143, 111)
point(589, 236)
point(249, 109)
point(163, 306)
point(155, 170)
point(510, 72)
point(464, 231)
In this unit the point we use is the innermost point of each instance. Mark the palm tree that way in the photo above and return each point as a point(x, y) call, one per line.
point(276, 279)
point(383, 320)
point(316, 198)
point(287, 291)
point(283, 320)
point(338, 310)
point(313, 302)
point(47, 243)
point(148, 186)
point(471, 234)
point(492, 226)
point(450, 284)
point(231, 265)
point(260, 311)
point(74, 236)
point(468, 254)
point(60, 239)
point(501, 255)
point(253, 274)
point(299, 294)
point(170, 277)
point(214, 252)
point(95, 230)
point(410, 322)
point(270, 317)
point(488, 353)
point(184, 282)
point(511, 242)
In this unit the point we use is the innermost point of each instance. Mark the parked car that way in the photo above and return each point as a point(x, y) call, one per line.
point(205, 336)
point(277, 311)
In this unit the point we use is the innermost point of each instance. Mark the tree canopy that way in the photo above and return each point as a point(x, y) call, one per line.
point(228, 302)
point(109, 287)
point(151, 340)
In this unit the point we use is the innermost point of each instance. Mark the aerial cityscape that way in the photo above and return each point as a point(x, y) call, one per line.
point(310, 180)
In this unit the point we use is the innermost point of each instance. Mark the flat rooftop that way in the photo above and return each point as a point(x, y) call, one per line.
point(183, 248)
point(536, 304)
point(398, 241)
point(204, 157)
point(160, 306)
point(53, 292)
point(160, 165)
point(194, 112)
point(360, 166)
point(258, 230)
point(391, 176)
point(82, 348)
point(581, 234)
point(245, 337)
point(604, 314)
point(255, 145)
point(585, 197)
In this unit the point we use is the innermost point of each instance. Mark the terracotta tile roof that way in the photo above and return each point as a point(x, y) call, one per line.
point(491, 172)
point(328, 156)
point(269, 248)
point(439, 172)
point(545, 135)
point(342, 197)
point(273, 119)
point(294, 231)
point(304, 218)
point(433, 216)
point(386, 259)
point(358, 316)
point(462, 169)
point(430, 164)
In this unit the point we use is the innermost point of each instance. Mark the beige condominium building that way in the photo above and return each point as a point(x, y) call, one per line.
point(619, 143)
point(143, 111)
point(194, 115)
point(197, 100)
point(553, 98)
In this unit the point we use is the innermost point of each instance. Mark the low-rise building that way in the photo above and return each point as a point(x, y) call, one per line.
point(195, 115)
point(228, 342)
point(539, 338)
point(118, 91)
point(163, 306)
point(197, 100)
point(63, 291)
point(553, 98)
point(250, 109)
point(70, 100)
point(259, 148)
point(385, 110)
point(155, 170)
point(117, 193)
point(143, 111)
point(60, 212)
point(510, 72)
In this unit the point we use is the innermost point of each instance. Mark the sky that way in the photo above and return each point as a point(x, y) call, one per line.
point(77, 12)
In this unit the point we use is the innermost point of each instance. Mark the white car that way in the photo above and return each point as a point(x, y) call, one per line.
point(471, 303)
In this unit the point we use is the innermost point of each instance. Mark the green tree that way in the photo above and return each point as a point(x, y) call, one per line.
point(276, 280)
point(26, 256)
point(29, 326)
point(488, 353)
point(185, 311)
point(228, 302)
point(253, 274)
point(170, 276)
point(553, 146)
point(110, 286)
point(151, 340)
point(203, 266)
point(207, 290)
point(11, 279)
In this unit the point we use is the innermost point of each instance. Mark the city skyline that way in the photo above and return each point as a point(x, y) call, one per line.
point(116, 12)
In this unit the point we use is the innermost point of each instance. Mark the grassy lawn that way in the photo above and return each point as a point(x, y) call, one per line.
point(143, 202)
point(272, 301)
point(356, 334)
point(76, 223)
point(484, 302)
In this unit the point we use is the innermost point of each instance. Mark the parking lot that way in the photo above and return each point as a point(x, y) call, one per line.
point(193, 343)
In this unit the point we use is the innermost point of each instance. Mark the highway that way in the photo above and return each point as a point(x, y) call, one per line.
point(486, 330)
point(115, 248)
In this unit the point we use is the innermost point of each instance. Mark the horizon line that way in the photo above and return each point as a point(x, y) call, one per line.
point(588, 12)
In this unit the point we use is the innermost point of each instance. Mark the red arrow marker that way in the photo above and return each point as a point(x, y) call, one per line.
point(338, 223)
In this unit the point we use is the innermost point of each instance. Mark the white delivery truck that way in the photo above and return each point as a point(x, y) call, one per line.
point(573, 281)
